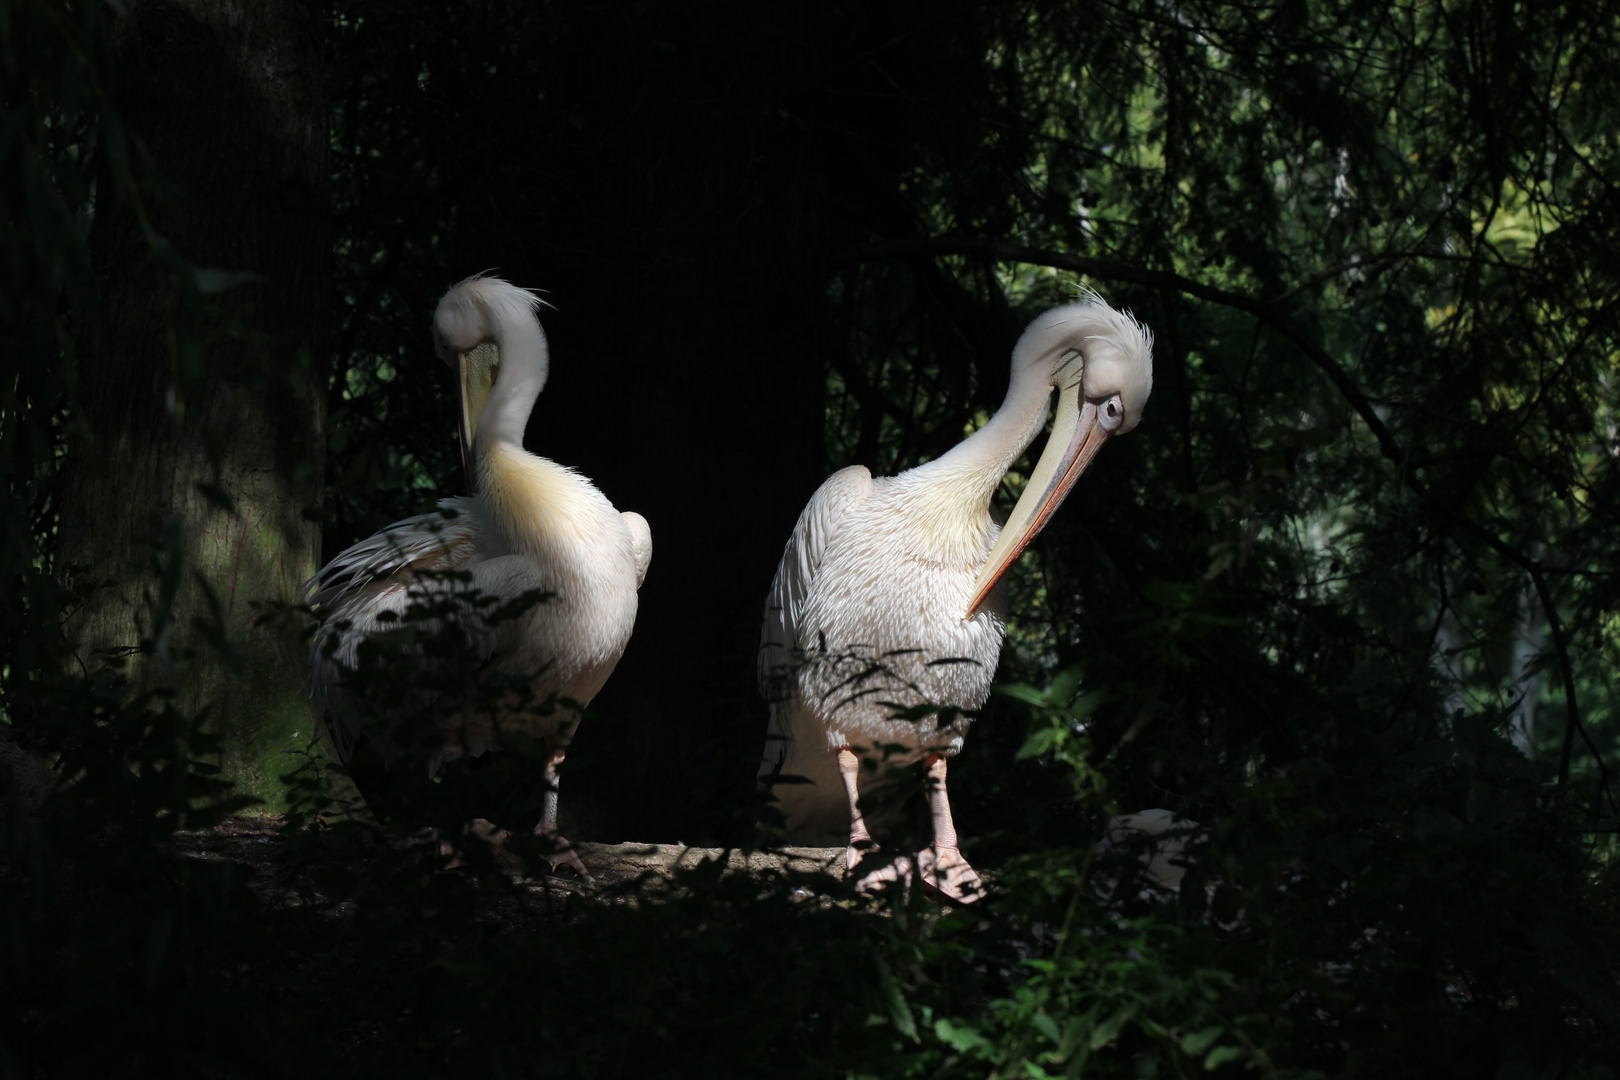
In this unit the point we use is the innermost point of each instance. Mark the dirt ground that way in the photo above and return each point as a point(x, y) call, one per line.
point(255, 841)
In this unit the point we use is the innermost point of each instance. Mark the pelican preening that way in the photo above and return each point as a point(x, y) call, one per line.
point(888, 596)
point(530, 531)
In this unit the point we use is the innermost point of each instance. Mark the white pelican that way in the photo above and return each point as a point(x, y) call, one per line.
point(887, 597)
point(529, 527)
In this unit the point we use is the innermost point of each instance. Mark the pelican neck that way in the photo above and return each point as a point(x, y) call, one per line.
point(983, 458)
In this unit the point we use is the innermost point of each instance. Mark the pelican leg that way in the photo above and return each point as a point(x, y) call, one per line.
point(942, 867)
point(565, 854)
point(898, 871)
point(860, 841)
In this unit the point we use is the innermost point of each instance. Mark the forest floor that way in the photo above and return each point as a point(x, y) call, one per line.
point(259, 842)
point(359, 905)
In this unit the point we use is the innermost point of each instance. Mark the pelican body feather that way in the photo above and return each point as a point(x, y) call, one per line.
point(537, 537)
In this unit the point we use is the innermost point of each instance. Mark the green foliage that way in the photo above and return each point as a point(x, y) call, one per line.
point(1389, 906)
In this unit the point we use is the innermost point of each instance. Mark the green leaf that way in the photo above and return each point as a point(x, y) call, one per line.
point(1041, 742)
point(1220, 1056)
point(1023, 692)
point(1086, 704)
point(1110, 1027)
point(1199, 1041)
point(1064, 685)
point(963, 1039)
point(1075, 1036)
point(899, 1011)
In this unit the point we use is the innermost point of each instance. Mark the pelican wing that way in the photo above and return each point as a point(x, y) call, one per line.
point(354, 589)
point(441, 540)
point(779, 644)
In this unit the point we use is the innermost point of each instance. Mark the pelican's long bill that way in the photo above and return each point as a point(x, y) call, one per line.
point(1076, 436)
point(475, 378)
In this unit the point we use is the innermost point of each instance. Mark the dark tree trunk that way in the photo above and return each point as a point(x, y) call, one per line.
point(228, 98)
point(684, 232)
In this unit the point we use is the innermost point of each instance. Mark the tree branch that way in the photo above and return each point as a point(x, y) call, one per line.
point(1157, 279)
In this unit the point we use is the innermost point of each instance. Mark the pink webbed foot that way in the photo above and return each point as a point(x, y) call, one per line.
point(857, 851)
point(897, 872)
point(483, 829)
point(564, 855)
point(946, 873)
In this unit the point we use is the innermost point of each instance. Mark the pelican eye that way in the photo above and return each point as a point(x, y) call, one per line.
point(1111, 414)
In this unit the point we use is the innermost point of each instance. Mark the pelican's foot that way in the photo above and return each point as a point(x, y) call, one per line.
point(487, 831)
point(897, 872)
point(483, 829)
point(565, 855)
point(945, 873)
point(854, 853)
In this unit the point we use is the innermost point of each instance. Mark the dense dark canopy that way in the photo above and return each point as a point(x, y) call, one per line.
point(1347, 596)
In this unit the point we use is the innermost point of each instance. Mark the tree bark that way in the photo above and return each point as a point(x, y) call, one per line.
point(200, 398)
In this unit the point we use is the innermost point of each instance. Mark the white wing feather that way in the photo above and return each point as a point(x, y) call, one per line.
point(449, 533)
point(779, 646)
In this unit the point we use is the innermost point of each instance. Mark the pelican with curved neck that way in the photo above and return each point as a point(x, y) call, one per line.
point(886, 605)
point(528, 528)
